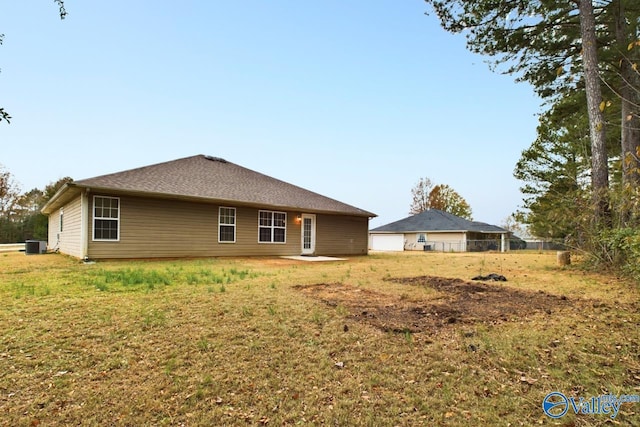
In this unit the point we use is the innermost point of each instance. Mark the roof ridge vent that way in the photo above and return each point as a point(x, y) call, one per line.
point(215, 159)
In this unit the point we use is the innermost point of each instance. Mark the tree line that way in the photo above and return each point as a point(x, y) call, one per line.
point(581, 176)
point(20, 216)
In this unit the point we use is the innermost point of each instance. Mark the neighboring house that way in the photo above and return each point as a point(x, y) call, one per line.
point(197, 207)
point(436, 230)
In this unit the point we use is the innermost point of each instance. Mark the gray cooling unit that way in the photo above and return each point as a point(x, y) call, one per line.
point(34, 247)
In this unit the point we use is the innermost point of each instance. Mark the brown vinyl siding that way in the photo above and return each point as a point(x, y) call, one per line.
point(69, 241)
point(341, 235)
point(151, 228)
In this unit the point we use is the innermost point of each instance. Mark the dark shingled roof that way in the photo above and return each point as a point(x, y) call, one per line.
point(213, 179)
point(436, 220)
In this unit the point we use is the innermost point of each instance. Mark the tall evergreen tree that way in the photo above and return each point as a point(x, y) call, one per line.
point(595, 111)
point(554, 171)
point(559, 47)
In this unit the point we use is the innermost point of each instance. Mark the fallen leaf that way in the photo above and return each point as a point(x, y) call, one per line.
point(529, 381)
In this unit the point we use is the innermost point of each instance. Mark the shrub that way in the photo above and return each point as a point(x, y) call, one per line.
point(621, 249)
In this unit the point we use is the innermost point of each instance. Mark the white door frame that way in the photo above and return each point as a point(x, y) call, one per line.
point(308, 247)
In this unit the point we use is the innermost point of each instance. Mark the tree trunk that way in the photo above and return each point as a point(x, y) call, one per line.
point(629, 86)
point(563, 257)
point(599, 167)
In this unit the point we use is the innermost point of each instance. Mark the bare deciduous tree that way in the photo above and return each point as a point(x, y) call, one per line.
point(9, 194)
point(420, 196)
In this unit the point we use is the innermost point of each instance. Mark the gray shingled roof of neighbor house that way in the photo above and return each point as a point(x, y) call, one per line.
point(436, 220)
point(212, 179)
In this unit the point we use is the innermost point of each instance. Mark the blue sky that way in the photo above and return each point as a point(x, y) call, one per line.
point(354, 100)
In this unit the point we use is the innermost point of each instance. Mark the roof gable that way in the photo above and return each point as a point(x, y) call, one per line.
point(436, 220)
point(215, 179)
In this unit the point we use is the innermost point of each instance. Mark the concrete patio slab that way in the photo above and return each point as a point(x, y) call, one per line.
point(313, 258)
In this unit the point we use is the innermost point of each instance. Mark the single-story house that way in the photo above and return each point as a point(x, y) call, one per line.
point(199, 206)
point(436, 230)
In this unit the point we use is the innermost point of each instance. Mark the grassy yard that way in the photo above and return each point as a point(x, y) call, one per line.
point(382, 340)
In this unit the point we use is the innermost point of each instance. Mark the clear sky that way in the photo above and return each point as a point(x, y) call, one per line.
point(355, 100)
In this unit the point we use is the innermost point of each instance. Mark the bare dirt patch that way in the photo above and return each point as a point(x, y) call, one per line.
point(458, 302)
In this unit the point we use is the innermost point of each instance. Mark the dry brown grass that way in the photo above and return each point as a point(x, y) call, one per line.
point(278, 342)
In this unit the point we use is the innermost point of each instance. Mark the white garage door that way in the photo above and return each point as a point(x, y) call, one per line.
point(387, 242)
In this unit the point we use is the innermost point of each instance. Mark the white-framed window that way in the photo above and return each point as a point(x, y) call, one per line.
point(226, 225)
point(422, 238)
point(106, 218)
point(61, 222)
point(272, 227)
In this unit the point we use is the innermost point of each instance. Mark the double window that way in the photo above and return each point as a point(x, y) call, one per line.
point(272, 227)
point(106, 218)
point(227, 225)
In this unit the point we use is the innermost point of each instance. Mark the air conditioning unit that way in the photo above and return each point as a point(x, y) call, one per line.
point(33, 247)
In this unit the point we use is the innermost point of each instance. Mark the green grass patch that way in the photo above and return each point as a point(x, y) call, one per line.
point(149, 279)
point(128, 279)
